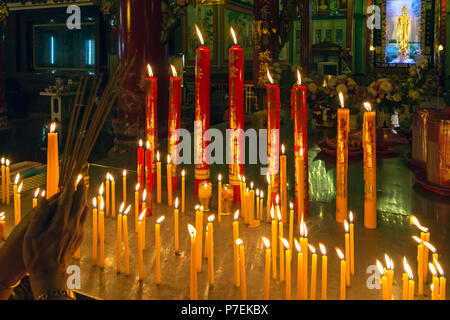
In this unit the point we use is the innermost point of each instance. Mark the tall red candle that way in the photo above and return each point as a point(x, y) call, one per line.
point(148, 177)
point(174, 124)
point(202, 96)
point(298, 114)
point(273, 137)
point(151, 123)
point(140, 165)
point(236, 115)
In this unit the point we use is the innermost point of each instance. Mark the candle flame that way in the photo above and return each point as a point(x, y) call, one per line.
point(311, 248)
point(282, 149)
point(266, 242)
point(239, 177)
point(340, 254)
point(236, 215)
point(285, 243)
point(138, 186)
point(417, 239)
point(277, 199)
point(268, 179)
point(52, 127)
point(3, 160)
point(150, 71)
point(36, 193)
point(168, 159)
point(297, 246)
point(407, 269)
point(299, 78)
point(380, 267)
point(147, 145)
point(100, 191)
point(219, 177)
point(388, 261)
point(124, 173)
point(20, 187)
point(350, 216)
point(257, 193)
point(367, 106)
point(160, 219)
point(43, 194)
point(174, 71)
point(233, 34)
point(243, 179)
point(122, 206)
point(291, 205)
point(438, 266)
point(16, 180)
point(432, 269)
point(199, 34)
point(341, 99)
point(127, 210)
point(157, 156)
point(211, 218)
point(279, 213)
point(79, 179)
point(176, 203)
point(261, 194)
point(301, 152)
point(201, 208)
point(94, 202)
point(183, 173)
point(323, 249)
point(192, 230)
point(251, 185)
point(2, 216)
point(144, 195)
point(269, 76)
point(346, 226)
point(272, 213)
point(414, 221)
point(430, 246)
point(7, 162)
point(140, 143)
point(239, 242)
point(142, 215)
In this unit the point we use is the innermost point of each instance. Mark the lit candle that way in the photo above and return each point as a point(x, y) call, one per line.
point(210, 250)
point(274, 243)
point(419, 265)
point(144, 209)
point(312, 295)
point(277, 202)
point(283, 194)
point(169, 182)
point(193, 278)
point(113, 196)
point(288, 268)
point(342, 279)
point(199, 236)
point(433, 251)
point(342, 162)
point(347, 253)
point(174, 123)
point(236, 249)
point(269, 200)
point(261, 205)
point(158, 178)
point(18, 215)
point(77, 254)
point(442, 281)
point(107, 194)
point(267, 269)
point(136, 206)
point(101, 233)
point(291, 224)
point(16, 206)
point(100, 193)
point(151, 125)
point(304, 246)
point(411, 279)
point(389, 275)
point(405, 280)
point(2, 226)
point(3, 181)
point(8, 181)
point(94, 232)
point(79, 177)
point(324, 271)
point(158, 248)
point(251, 211)
point(257, 205)
point(435, 281)
point(240, 244)
point(125, 240)
point(176, 228)
point(299, 270)
point(140, 165)
point(52, 162)
point(183, 190)
point(383, 280)
point(370, 187)
point(246, 206)
point(35, 200)
point(141, 246)
point(352, 244)
point(280, 236)
point(119, 238)
point(219, 197)
point(124, 186)
point(425, 237)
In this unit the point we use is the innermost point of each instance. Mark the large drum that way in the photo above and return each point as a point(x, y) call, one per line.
point(438, 149)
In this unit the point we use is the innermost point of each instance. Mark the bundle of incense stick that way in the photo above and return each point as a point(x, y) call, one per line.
point(82, 135)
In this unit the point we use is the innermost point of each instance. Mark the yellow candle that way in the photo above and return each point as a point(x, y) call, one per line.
point(219, 197)
point(285, 244)
point(280, 236)
point(299, 270)
point(52, 162)
point(183, 190)
point(242, 268)
point(94, 232)
point(291, 225)
point(211, 250)
point(35, 200)
point(124, 186)
point(425, 255)
point(408, 271)
point(237, 282)
point(158, 249)
point(101, 233)
point(261, 205)
point(267, 269)
point(136, 207)
point(269, 196)
point(389, 276)
point(283, 194)
point(199, 236)
point(343, 272)
point(8, 181)
point(258, 217)
point(144, 209)
point(304, 246)
point(251, 199)
point(435, 281)
point(405, 281)
point(193, 278)
point(158, 179)
point(369, 146)
point(419, 265)
point(274, 243)
point(113, 196)
point(18, 211)
point(176, 228)
point(312, 295)
point(324, 271)
point(2, 226)
point(442, 280)
point(100, 194)
point(347, 253)
point(411, 290)
point(119, 238)
point(141, 246)
point(125, 240)
point(424, 237)
point(107, 195)
point(352, 244)
point(383, 280)
point(169, 182)
point(3, 181)
point(246, 206)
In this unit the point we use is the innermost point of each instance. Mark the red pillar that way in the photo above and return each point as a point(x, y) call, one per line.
point(139, 29)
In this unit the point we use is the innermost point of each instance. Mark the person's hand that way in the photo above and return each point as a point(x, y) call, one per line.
point(53, 236)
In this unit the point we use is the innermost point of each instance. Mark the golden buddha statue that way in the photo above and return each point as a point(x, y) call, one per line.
point(403, 27)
